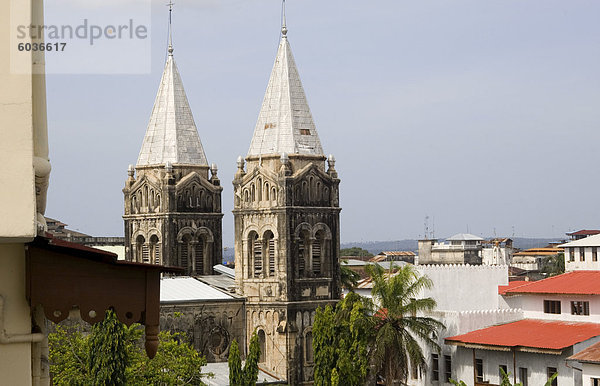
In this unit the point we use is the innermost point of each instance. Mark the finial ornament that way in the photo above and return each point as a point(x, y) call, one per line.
point(283, 24)
point(170, 5)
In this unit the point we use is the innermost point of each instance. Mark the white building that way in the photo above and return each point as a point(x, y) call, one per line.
point(589, 363)
point(497, 251)
point(582, 254)
point(462, 248)
point(562, 318)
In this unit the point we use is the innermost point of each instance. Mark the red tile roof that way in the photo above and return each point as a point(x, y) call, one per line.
point(531, 333)
point(589, 355)
point(584, 232)
point(571, 283)
point(511, 285)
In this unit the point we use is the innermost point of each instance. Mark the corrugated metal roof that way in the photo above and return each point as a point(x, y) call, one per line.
point(464, 237)
point(591, 241)
point(511, 285)
point(572, 283)
point(539, 252)
point(533, 333)
point(589, 355)
point(179, 289)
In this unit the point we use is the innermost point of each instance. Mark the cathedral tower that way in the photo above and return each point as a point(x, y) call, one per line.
point(172, 207)
point(286, 211)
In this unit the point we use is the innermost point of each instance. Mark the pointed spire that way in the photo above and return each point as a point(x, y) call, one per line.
point(285, 124)
point(171, 136)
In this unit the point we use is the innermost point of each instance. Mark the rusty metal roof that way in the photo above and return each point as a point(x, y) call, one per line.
point(571, 283)
point(589, 355)
point(529, 333)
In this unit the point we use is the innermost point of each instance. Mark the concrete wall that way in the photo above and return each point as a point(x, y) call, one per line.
point(465, 287)
point(210, 326)
point(533, 307)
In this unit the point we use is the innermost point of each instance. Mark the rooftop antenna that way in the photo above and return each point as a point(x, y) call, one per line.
point(426, 227)
point(433, 228)
point(170, 5)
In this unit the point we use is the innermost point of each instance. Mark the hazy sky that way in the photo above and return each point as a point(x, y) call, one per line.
point(481, 114)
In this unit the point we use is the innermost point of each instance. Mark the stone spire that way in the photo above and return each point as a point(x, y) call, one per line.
point(285, 124)
point(171, 135)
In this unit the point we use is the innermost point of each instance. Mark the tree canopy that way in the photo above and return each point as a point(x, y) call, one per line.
point(113, 354)
point(355, 251)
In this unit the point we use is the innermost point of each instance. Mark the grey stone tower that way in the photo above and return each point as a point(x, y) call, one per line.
point(172, 207)
point(286, 214)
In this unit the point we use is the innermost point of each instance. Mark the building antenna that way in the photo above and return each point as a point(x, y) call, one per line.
point(283, 21)
point(433, 228)
point(426, 227)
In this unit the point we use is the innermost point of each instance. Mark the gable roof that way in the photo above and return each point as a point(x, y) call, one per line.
point(464, 237)
point(584, 232)
point(571, 283)
point(529, 334)
point(285, 123)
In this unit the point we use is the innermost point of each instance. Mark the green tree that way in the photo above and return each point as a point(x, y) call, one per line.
point(554, 265)
point(399, 328)
point(74, 357)
point(348, 278)
point(250, 375)
point(340, 342)
point(107, 351)
point(355, 251)
point(235, 364)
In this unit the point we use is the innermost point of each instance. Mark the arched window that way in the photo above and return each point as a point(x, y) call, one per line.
point(155, 249)
point(303, 252)
point(269, 241)
point(199, 256)
point(184, 252)
point(255, 255)
point(140, 245)
point(308, 347)
point(262, 342)
point(317, 249)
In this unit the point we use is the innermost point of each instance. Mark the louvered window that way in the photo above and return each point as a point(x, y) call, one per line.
point(199, 257)
point(301, 257)
point(145, 254)
point(183, 258)
point(271, 257)
point(156, 254)
point(257, 258)
point(316, 258)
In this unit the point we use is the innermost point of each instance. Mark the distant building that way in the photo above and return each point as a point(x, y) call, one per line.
point(534, 258)
point(589, 362)
point(462, 248)
point(497, 251)
point(582, 254)
point(583, 234)
point(407, 256)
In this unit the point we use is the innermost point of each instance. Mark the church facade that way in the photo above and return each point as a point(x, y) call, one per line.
point(286, 211)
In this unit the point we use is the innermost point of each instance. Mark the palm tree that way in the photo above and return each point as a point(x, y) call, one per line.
point(400, 330)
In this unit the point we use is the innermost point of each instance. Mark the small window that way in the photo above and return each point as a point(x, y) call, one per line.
point(595, 381)
point(550, 372)
point(305, 131)
point(523, 375)
point(571, 254)
point(552, 306)
point(479, 369)
point(594, 254)
point(448, 368)
point(581, 254)
point(501, 373)
point(435, 367)
point(580, 308)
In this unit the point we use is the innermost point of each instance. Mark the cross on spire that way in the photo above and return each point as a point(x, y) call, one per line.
point(283, 24)
point(170, 5)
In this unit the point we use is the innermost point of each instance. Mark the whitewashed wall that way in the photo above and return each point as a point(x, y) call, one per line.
point(576, 265)
point(533, 307)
